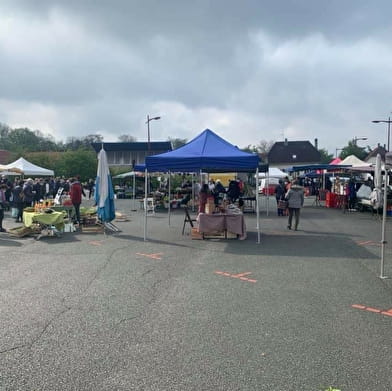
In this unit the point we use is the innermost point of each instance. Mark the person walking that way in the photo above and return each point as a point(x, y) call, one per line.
point(295, 198)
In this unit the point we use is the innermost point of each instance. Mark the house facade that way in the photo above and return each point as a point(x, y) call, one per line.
point(285, 154)
point(371, 158)
point(4, 156)
point(128, 154)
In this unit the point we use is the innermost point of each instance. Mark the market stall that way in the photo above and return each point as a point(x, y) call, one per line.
point(205, 153)
point(46, 223)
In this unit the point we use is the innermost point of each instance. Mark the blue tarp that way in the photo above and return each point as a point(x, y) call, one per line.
point(206, 152)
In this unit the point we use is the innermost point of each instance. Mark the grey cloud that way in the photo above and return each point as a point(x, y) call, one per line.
point(306, 68)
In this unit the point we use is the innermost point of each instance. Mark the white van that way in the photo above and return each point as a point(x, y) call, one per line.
point(271, 182)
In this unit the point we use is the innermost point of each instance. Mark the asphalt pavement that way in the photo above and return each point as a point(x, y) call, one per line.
point(302, 310)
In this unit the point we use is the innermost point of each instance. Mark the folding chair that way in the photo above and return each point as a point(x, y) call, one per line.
point(187, 219)
point(149, 205)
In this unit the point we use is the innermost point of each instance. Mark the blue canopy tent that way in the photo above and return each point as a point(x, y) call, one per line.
point(207, 152)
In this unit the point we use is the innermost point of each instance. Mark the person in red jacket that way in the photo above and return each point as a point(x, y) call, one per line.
point(76, 191)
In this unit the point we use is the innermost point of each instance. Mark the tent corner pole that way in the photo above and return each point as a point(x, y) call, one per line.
point(257, 206)
point(384, 217)
point(169, 204)
point(145, 203)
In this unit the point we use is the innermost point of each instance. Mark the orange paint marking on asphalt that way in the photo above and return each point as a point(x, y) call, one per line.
point(359, 306)
point(368, 243)
point(372, 309)
point(240, 276)
point(153, 256)
point(95, 243)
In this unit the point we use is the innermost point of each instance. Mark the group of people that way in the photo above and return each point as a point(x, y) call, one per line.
point(216, 190)
point(290, 198)
point(20, 194)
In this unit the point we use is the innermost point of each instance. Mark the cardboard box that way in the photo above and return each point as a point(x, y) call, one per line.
point(196, 235)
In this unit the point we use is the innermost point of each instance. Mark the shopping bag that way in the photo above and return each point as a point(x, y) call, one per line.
point(282, 204)
point(14, 213)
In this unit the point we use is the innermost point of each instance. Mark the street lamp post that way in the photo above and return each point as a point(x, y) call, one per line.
point(385, 203)
point(148, 129)
point(387, 121)
point(336, 152)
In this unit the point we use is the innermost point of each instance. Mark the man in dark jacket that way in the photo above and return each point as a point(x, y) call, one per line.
point(18, 202)
point(280, 192)
point(28, 193)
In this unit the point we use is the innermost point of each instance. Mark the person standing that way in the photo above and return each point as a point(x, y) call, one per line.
point(18, 201)
point(204, 193)
point(75, 192)
point(28, 193)
point(3, 201)
point(295, 198)
point(280, 192)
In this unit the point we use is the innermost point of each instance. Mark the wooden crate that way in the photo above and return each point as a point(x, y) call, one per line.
point(92, 228)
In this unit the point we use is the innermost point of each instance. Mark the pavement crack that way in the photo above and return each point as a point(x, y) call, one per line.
point(147, 272)
point(14, 348)
point(54, 318)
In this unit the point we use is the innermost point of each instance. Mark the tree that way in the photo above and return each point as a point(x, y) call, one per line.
point(264, 147)
point(250, 149)
point(81, 162)
point(126, 138)
point(353, 149)
point(177, 142)
point(326, 157)
point(74, 143)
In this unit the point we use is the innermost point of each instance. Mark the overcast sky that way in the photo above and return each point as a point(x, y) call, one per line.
point(249, 70)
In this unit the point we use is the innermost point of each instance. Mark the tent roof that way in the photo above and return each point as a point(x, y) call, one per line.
point(28, 168)
point(205, 152)
point(273, 172)
point(337, 160)
point(353, 161)
point(318, 167)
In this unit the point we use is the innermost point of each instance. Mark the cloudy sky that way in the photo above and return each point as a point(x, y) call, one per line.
point(250, 70)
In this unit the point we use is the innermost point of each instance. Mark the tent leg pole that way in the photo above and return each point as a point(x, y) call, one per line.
point(145, 204)
point(384, 217)
point(168, 209)
point(134, 193)
point(257, 206)
point(267, 200)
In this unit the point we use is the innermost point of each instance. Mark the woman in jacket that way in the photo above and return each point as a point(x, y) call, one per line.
point(295, 198)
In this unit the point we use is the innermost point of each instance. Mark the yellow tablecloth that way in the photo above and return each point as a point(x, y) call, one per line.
point(54, 218)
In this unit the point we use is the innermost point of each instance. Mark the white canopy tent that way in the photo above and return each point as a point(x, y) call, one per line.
point(5, 170)
point(353, 161)
point(29, 169)
point(273, 172)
